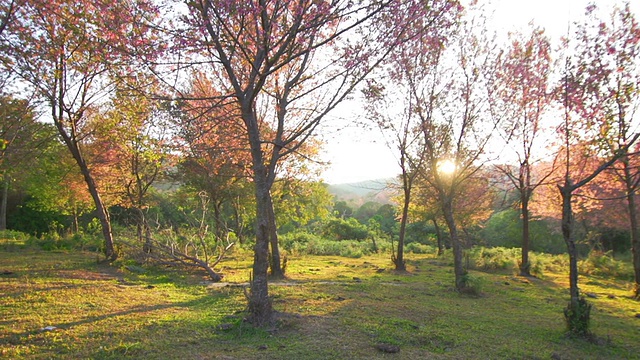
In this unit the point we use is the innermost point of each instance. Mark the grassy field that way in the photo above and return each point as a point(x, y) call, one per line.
point(329, 308)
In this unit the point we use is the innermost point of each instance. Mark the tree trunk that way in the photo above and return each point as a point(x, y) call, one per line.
point(568, 235)
point(239, 228)
point(220, 225)
point(3, 205)
point(399, 258)
point(438, 237)
point(260, 307)
point(578, 311)
point(101, 210)
point(633, 224)
point(143, 231)
point(525, 266)
point(76, 220)
point(275, 265)
point(458, 266)
point(102, 213)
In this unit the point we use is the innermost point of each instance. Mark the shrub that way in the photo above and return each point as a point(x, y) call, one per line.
point(497, 258)
point(417, 248)
point(349, 229)
point(604, 264)
point(310, 244)
point(11, 239)
point(53, 241)
point(472, 285)
point(578, 318)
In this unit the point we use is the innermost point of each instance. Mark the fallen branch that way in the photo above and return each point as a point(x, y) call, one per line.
point(174, 255)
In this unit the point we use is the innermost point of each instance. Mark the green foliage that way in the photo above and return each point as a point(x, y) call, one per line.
point(473, 285)
point(296, 203)
point(417, 248)
point(366, 211)
point(499, 258)
point(578, 318)
point(304, 243)
point(421, 232)
point(504, 229)
point(11, 240)
point(345, 229)
point(342, 210)
point(604, 264)
point(53, 241)
point(33, 220)
point(386, 217)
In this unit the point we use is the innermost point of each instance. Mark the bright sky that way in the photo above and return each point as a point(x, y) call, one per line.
point(359, 154)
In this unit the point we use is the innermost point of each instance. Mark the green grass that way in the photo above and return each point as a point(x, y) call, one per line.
point(330, 307)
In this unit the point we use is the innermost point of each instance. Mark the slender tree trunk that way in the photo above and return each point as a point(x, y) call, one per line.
point(569, 238)
point(275, 265)
point(458, 265)
point(525, 266)
point(76, 220)
point(217, 213)
point(102, 213)
point(633, 224)
point(238, 222)
point(577, 313)
point(3, 204)
point(399, 258)
point(143, 231)
point(438, 237)
point(101, 210)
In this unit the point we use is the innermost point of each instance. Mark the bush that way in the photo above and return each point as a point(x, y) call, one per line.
point(497, 258)
point(417, 248)
point(604, 264)
point(310, 244)
point(472, 285)
point(349, 229)
point(53, 241)
point(12, 240)
point(578, 318)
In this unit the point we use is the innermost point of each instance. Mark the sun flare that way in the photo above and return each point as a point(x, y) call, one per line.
point(446, 167)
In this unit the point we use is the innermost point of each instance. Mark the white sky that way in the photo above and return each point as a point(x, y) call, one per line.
point(359, 154)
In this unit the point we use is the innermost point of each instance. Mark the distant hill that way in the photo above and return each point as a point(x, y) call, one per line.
point(358, 193)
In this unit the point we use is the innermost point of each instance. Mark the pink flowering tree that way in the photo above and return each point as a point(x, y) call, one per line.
point(523, 97)
point(68, 52)
point(285, 65)
point(595, 95)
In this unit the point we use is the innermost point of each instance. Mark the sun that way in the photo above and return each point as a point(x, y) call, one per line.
point(446, 167)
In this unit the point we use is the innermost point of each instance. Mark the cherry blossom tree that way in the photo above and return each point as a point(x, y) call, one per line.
point(285, 65)
point(522, 98)
point(449, 87)
point(64, 51)
point(587, 132)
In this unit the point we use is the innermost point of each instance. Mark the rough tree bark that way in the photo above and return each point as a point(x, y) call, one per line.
point(631, 187)
point(438, 237)
point(458, 267)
